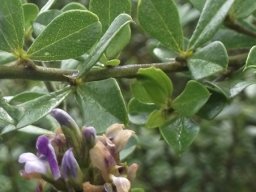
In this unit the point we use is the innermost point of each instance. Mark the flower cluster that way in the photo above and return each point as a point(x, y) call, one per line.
point(75, 159)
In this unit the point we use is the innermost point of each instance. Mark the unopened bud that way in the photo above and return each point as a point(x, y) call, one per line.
point(69, 128)
point(132, 170)
point(102, 159)
point(89, 134)
point(70, 169)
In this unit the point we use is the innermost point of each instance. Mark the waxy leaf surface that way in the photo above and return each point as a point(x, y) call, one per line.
point(193, 97)
point(107, 11)
point(180, 133)
point(138, 112)
point(156, 119)
point(11, 26)
point(208, 60)
point(69, 35)
point(152, 86)
point(117, 25)
point(161, 20)
point(43, 20)
point(213, 14)
point(30, 13)
point(242, 8)
point(103, 104)
point(33, 110)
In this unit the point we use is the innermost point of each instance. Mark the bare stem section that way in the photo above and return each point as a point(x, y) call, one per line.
point(40, 73)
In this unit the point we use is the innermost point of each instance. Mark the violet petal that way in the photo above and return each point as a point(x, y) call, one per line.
point(69, 165)
point(32, 163)
point(24, 157)
point(46, 150)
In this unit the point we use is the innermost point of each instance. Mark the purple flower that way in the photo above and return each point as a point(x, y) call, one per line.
point(69, 166)
point(45, 159)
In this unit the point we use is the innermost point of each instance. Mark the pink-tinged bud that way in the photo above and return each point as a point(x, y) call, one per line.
point(132, 170)
point(69, 128)
point(102, 159)
point(89, 134)
point(122, 184)
point(119, 136)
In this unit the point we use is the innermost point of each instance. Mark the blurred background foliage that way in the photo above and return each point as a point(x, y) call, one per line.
point(222, 158)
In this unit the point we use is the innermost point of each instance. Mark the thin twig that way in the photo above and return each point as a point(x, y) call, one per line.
point(232, 24)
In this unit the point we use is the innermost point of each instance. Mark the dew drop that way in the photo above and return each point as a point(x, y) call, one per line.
point(46, 53)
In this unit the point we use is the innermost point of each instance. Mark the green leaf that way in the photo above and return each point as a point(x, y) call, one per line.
point(232, 87)
point(9, 128)
point(72, 6)
point(43, 20)
point(180, 133)
point(199, 4)
point(208, 60)
point(31, 129)
point(47, 6)
point(138, 112)
point(214, 105)
point(119, 42)
point(9, 112)
point(251, 59)
point(30, 13)
point(193, 97)
point(11, 26)
point(187, 14)
point(6, 57)
point(107, 11)
point(156, 119)
point(118, 24)
point(24, 96)
point(242, 8)
point(35, 109)
point(69, 35)
point(161, 20)
point(104, 104)
point(152, 86)
point(234, 40)
point(5, 118)
point(214, 12)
